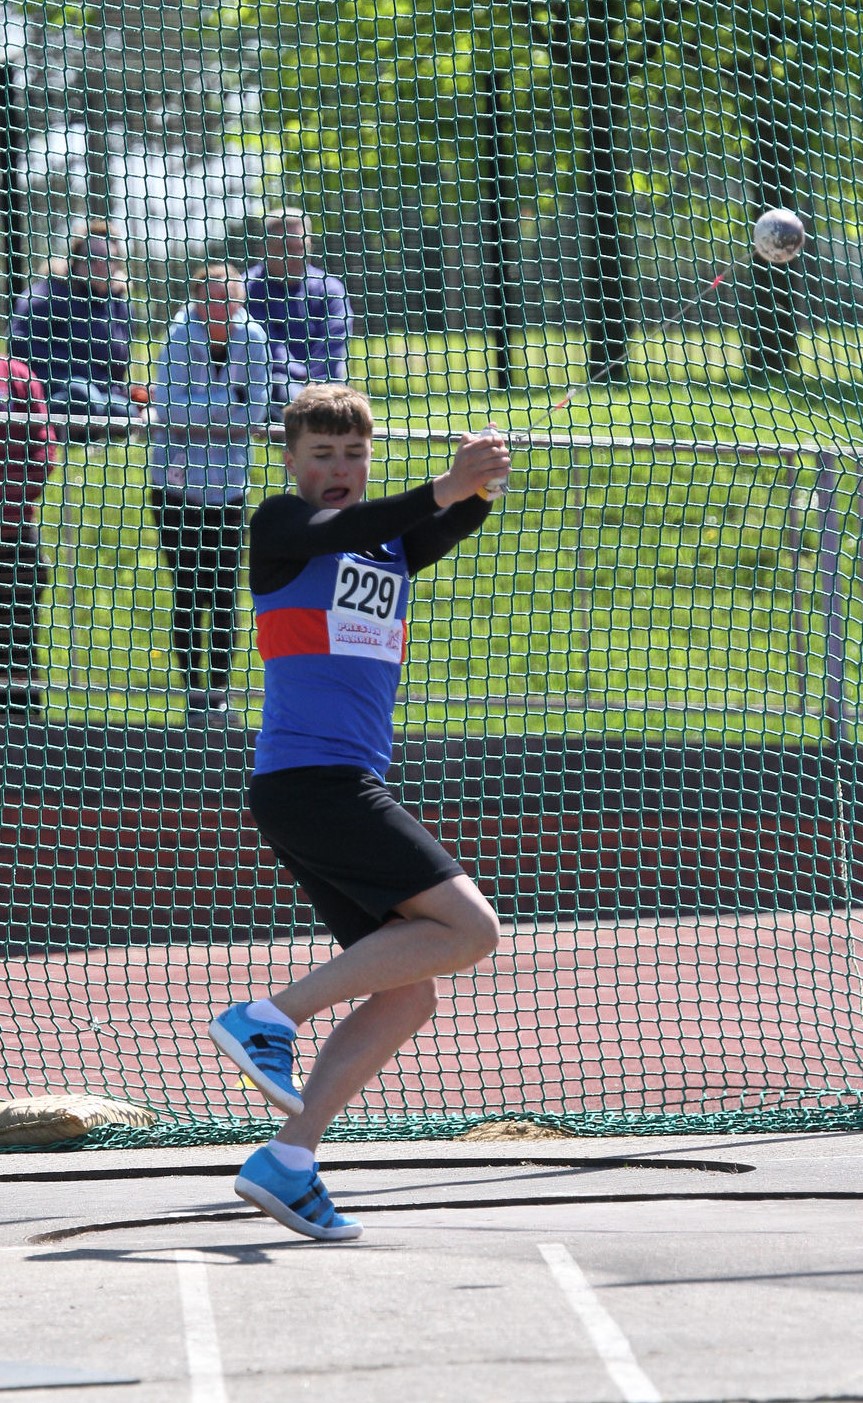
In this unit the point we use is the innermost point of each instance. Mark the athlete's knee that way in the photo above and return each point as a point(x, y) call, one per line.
point(469, 923)
point(481, 931)
point(424, 998)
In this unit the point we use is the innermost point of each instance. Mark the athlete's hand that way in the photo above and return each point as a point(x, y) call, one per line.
point(480, 460)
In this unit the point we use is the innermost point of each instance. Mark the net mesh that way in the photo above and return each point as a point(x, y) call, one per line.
point(631, 705)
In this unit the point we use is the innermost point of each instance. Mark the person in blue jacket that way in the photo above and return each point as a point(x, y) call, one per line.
point(74, 330)
point(212, 388)
point(306, 312)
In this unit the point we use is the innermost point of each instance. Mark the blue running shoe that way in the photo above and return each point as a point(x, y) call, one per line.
point(263, 1051)
point(298, 1199)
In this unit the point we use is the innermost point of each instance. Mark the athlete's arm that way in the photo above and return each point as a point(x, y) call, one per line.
point(431, 540)
point(478, 459)
point(286, 532)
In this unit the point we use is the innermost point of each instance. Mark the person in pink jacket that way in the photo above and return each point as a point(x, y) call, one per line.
point(27, 456)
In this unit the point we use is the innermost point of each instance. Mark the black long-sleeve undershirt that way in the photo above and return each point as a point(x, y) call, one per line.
point(285, 532)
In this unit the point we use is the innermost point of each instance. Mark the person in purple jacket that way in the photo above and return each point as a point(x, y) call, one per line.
point(305, 312)
point(73, 327)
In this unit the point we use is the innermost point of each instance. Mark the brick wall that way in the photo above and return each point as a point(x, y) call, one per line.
point(137, 836)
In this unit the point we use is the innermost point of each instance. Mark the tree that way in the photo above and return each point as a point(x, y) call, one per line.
point(789, 59)
point(127, 80)
point(766, 87)
point(437, 143)
point(596, 49)
point(95, 81)
point(391, 116)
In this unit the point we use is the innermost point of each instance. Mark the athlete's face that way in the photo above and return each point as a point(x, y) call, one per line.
point(330, 470)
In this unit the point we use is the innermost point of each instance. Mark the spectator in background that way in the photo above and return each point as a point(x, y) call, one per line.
point(27, 455)
point(305, 312)
point(212, 388)
point(74, 329)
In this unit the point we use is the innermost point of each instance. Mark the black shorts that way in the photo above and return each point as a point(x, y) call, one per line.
point(354, 850)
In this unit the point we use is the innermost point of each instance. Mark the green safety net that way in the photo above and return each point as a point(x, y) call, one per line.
point(631, 705)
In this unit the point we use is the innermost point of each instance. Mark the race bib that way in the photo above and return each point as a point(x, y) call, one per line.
point(366, 591)
point(362, 621)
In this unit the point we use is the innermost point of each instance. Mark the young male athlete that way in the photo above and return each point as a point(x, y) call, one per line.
point(330, 577)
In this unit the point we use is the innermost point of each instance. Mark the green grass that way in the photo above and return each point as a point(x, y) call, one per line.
point(621, 591)
point(682, 386)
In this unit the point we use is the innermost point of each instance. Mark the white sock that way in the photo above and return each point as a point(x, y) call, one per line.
point(293, 1157)
point(266, 1012)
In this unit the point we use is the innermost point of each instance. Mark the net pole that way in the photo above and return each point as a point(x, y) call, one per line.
point(795, 541)
point(831, 545)
point(827, 484)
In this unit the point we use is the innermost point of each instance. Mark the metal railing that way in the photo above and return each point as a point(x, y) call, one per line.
point(826, 468)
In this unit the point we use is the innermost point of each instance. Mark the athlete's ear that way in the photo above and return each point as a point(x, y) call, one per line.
point(290, 470)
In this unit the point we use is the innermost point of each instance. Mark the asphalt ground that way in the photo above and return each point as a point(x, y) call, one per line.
point(685, 1270)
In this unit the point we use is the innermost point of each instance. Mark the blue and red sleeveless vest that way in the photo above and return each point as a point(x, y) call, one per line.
point(333, 642)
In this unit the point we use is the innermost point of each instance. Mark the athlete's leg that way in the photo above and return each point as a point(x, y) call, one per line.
point(355, 1051)
point(446, 929)
point(362, 860)
point(290, 1189)
point(449, 927)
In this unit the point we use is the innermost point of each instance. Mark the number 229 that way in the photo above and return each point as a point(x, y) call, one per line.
point(370, 592)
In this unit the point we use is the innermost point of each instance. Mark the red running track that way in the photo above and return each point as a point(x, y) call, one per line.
point(696, 1015)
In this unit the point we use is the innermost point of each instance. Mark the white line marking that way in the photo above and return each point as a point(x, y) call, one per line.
point(606, 1335)
point(199, 1324)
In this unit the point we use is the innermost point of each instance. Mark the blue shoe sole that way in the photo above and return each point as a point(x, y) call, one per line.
point(287, 1101)
point(258, 1197)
